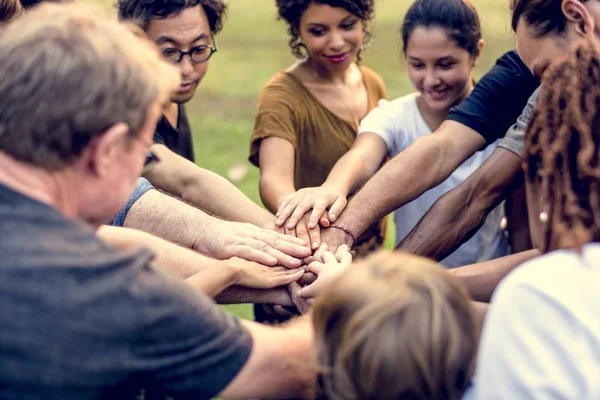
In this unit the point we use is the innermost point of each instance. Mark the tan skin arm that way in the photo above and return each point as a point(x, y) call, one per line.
point(423, 165)
point(204, 189)
point(281, 365)
point(455, 217)
point(276, 162)
point(171, 219)
point(482, 278)
point(208, 275)
point(352, 170)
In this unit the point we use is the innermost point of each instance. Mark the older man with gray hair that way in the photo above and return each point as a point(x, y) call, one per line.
point(81, 97)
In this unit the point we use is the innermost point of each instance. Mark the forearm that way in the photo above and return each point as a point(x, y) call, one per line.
point(171, 219)
point(453, 219)
point(218, 196)
point(205, 274)
point(273, 190)
point(284, 352)
point(482, 278)
point(169, 257)
point(420, 167)
point(349, 173)
point(241, 295)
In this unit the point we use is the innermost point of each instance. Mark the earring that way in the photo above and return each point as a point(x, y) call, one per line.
point(544, 217)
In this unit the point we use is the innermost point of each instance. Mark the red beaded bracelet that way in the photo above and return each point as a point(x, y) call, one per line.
point(348, 231)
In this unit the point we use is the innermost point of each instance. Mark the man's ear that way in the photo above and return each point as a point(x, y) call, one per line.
point(578, 16)
point(108, 148)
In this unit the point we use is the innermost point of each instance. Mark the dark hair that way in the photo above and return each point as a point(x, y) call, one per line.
point(545, 16)
point(563, 147)
point(9, 9)
point(143, 11)
point(458, 17)
point(292, 10)
point(30, 3)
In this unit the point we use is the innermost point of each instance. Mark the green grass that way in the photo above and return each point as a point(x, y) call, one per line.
point(253, 47)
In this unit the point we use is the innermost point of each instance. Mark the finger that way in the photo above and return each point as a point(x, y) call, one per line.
point(315, 267)
point(284, 202)
point(291, 246)
point(302, 232)
point(300, 303)
point(337, 207)
point(289, 278)
point(308, 278)
point(282, 258)
point(319, 209)
point(318, 255)
point(324, 220)
point(343, 251)
point(250, 253)
point(288, 210)
point(310, 291)
point(298, 213)
point(329, 258)
point(315, 237)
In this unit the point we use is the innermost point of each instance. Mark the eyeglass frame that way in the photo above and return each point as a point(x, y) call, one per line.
point(213, 49)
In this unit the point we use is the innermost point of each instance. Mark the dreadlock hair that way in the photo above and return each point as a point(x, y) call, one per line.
point(562, 153)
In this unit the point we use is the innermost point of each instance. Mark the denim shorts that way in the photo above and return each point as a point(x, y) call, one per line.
point(142, 186)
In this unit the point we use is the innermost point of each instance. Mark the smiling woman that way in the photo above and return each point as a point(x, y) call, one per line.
point(308, 115)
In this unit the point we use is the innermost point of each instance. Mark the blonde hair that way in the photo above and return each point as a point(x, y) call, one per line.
point(66, 75)
point(395, 326)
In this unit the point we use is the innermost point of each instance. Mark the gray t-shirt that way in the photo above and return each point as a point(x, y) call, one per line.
point(515, 136)
point(79, 320)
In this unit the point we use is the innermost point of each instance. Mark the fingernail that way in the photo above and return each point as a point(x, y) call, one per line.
point(332, 216)
point(315, 245)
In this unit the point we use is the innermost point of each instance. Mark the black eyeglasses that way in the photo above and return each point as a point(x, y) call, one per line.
point(198, 54)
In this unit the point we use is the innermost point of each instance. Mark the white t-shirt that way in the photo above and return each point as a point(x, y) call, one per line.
point(541, 337)
point(400, 123)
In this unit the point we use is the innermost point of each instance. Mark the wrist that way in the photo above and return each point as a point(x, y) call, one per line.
point(234, 271)
point(348, 237)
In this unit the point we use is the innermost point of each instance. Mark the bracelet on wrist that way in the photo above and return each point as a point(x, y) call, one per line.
point(347, 231)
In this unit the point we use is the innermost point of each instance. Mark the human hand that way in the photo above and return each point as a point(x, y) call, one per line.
point(249, 242)
point(301, 231)
point(326, 206)
point(331, 240)
point(333, 265)
point(302, 304)
point(257, 276)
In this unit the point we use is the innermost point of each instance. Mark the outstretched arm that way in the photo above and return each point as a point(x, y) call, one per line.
point(204, 189)
point(482, 278)
point(203, 273)
point(457, 215)
point(171, 219)
point(423, 165)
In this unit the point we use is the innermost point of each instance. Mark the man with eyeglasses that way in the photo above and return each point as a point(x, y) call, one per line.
point(184, 31)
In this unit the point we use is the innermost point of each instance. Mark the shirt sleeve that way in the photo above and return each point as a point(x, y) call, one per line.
point(141, 187)
point(533, 348)
point(515, 136)
point(275, 117)
point(188, 347)
point(498, 99)
point(384, 121)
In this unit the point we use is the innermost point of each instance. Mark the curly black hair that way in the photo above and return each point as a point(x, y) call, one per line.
point(291, 11)
point(143, 11)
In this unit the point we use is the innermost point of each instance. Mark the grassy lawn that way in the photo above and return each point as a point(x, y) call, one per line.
point(253, 46)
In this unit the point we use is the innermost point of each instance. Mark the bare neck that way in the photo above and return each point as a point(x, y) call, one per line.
point(52, 188)
point(322, 75)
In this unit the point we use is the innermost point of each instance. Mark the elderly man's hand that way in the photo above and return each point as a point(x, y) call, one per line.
point(234, 239)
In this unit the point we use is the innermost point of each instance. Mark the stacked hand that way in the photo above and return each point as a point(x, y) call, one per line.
point(247, 241)
point(296, 217)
